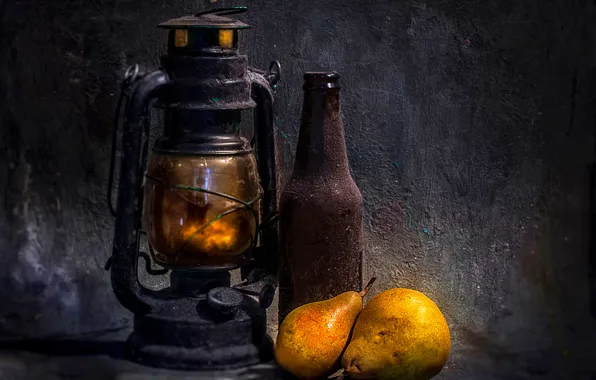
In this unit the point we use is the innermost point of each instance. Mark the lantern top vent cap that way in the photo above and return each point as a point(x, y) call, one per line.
point(210, 19)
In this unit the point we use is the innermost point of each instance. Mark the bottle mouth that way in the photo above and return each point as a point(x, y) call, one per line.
point(321, 76)
point(321, 80)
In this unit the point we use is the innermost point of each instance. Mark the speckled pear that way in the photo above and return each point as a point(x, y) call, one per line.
point(400, 334)
point(313, 336)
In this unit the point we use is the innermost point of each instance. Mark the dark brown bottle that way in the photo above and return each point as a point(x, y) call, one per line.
point(321, 206)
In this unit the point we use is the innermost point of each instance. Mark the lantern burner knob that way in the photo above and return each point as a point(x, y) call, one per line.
point(266, 296)
point(225, 302)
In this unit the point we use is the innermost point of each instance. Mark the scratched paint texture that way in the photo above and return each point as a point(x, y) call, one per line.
point(469, 126)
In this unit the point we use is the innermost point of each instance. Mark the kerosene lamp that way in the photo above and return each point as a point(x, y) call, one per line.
point(204, 199)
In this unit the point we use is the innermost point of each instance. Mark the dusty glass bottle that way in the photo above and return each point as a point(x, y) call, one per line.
point(321, 206)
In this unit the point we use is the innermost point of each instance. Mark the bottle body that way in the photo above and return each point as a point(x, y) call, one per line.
point(321, 206)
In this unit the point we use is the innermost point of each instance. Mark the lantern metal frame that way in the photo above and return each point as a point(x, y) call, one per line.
point(199, 322)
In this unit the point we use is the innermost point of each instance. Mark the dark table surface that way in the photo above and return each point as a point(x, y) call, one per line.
point(22, 365)
point(100, 358)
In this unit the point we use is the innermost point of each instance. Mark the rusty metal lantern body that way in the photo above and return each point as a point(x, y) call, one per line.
point(205, 199)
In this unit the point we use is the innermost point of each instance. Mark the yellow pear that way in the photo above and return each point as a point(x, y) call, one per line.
point(312, 337)
point(400, 334)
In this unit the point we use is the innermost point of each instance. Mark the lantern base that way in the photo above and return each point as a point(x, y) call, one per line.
point(193, 336)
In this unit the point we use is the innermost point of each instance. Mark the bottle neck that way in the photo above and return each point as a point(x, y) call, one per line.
point(321, 142)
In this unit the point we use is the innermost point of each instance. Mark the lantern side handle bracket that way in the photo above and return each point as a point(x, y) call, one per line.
point(265, 143)
point(130, 77)
point(124, 260)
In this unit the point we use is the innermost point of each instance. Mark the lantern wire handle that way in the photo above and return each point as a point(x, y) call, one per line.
point(222, 11)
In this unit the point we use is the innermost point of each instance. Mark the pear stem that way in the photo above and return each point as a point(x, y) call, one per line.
point(339, 375)
point(367, 287)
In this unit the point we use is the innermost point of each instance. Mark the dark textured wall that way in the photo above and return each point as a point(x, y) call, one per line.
point(470, 133)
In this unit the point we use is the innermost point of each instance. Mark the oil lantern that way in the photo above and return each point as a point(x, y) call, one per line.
point(203, 199)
